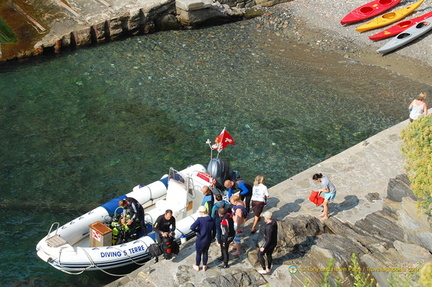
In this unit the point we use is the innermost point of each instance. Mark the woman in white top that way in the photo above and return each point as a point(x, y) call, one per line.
point(418, 107)
point(259, 199)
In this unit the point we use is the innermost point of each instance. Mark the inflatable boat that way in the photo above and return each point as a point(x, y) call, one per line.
point(86, 243)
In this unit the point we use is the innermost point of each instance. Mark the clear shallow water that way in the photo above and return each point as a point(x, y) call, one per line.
point(83, 127)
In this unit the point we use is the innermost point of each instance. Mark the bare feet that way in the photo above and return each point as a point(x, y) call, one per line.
point(195, 267)
point(235, 253)
point(321, 215)
point(324, 218)
point(205, 268)
point(264, 272)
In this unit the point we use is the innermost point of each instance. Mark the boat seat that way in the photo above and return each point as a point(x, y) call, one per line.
point(176, 198)
point(55, 241)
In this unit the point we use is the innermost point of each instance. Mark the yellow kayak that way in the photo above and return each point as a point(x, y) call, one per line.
point(389, 18)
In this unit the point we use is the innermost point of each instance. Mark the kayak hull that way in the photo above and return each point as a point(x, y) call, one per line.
point(399, 27)
point(389, 18)
point(407, 36)
point(369, 10)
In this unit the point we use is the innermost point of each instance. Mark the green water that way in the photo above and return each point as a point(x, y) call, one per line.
point(81, 128)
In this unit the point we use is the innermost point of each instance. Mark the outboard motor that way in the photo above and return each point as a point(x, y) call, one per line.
point(218, 168)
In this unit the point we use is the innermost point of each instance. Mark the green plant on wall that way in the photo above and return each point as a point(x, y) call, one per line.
point(361, 279)
point(6, 33)
point(426, 274)
point(417, 149)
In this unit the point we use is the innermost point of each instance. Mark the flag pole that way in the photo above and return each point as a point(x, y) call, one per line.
point(211, 149)
point(221, 140)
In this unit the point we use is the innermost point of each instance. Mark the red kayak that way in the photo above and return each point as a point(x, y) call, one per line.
point(399, 27)
point(369, 10)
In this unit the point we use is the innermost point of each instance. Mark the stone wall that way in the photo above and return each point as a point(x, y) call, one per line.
point(75, 23)
point(391, 242)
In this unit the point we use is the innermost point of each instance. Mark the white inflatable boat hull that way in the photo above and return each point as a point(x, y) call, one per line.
point(68, 247)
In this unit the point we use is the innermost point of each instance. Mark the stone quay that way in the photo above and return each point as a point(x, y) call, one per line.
point(373, 216)
point(48, 26)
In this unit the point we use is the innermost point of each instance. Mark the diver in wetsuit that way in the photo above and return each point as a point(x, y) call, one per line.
point(136, 212)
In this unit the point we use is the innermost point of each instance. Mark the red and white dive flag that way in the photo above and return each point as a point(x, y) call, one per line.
point(223, 140)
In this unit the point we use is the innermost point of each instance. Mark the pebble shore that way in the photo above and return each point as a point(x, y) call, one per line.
point(319, 25)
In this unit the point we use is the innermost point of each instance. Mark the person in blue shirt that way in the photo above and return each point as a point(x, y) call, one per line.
point(245, 190)
point(208, 199)
point(220, 203)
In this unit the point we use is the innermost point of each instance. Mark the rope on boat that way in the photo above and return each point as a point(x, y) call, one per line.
point(93, 264)
point(119, 275)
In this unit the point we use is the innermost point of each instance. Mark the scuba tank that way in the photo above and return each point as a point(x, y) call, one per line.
point(115, 233)
point(167, 247)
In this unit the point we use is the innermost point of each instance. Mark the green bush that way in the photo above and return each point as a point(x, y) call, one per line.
point(417, 148)
point(426, 274)
point(361, 279)
point(6, 33)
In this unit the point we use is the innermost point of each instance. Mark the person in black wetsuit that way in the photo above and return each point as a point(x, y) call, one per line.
point(165, 225)
point(227, 235)
point(270, 238)
point(136, 214)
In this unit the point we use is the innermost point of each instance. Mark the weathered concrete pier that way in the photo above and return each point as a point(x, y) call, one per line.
point(55, 25)
point(373, 216)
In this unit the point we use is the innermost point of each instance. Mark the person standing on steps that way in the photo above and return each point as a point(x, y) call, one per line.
point(259, 199)
point(239, 217)
point(227, 235)
point(204, 227)
point(208, 199)
point(328, 191)
point(220, 203)
point(270, 241)
point(418, 107)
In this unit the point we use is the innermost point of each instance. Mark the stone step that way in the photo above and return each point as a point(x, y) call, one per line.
point(192, 5)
